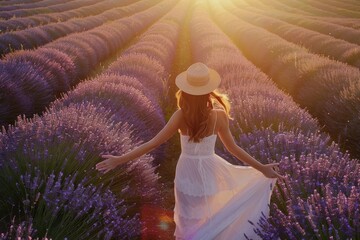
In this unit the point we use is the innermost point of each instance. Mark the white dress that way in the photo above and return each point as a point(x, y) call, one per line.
point(214, 199)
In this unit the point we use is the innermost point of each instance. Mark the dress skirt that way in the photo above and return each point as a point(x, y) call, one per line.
point(215, 199)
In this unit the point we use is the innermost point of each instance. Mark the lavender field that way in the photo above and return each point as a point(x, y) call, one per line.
point(82, 78)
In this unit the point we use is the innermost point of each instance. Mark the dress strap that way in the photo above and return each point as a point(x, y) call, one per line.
point(215, 122)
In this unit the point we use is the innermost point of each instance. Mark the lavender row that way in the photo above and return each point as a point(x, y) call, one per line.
point(281, 8)
point(20, 23)
point(346, 33)
point(37, 36)
point(124, 96)
point(341, 4)
point(310, 9)
point(30, 80)
point(107, 114)
point(96, 209)
point(307, 158)
point(341, 12)
point(322, 201)
point(68, 142)
point(348, 22)
point(276, 5)
point(43, 3)
point(50, 9)
point(316, 82)
point(11, 2)
point(316, 42)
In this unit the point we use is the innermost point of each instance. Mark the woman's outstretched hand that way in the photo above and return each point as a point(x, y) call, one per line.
point(110, 163)
point(270, 172)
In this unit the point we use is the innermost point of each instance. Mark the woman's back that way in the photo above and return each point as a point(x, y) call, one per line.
point(206, 145)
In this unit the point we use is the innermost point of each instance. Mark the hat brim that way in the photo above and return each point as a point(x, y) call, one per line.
point(213, 83)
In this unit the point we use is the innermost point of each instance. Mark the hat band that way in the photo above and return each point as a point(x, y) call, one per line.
point(197, 81)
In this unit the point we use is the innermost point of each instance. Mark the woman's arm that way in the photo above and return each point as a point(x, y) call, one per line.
point(228, 141)
point(170, 128)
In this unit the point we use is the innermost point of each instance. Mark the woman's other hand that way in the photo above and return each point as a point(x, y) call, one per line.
point(269, 172)
point(110, 163)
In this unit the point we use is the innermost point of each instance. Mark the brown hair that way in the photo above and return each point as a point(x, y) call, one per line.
point(196, 110)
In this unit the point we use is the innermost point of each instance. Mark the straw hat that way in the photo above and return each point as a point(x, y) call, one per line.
point(198, 79)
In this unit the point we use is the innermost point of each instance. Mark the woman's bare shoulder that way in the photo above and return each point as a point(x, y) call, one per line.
point(220, 113)
point(222, 119)
point(178, 114)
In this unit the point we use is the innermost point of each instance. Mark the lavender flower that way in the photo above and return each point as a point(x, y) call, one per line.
point(53, 72)
point(21, 230)
point(32, 82)
point(126, 103)
point(60, 206)
point(72, 139)
point(147, 70)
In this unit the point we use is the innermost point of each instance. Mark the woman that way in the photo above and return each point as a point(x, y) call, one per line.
point(213, 198)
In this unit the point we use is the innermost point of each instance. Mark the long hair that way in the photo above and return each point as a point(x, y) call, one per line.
point(196, 110)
